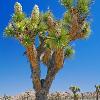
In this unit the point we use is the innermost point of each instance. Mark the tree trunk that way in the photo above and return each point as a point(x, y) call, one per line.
point(41, 95)
point(97, 96)
point(75, 97)
point(42, 87)
point(82, 96)
point(35, 68)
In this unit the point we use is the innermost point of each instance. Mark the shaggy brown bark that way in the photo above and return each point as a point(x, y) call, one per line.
point(32, 56)
point(54, 65)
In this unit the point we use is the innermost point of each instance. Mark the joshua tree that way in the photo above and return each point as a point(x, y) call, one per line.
point(5, 97)
point(75, 89)
point(97, 91)
point(82, 96)
point(55, 38)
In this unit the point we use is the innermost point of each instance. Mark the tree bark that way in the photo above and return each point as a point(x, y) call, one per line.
point(41, 95)
point(41, 92)
point(75, 97)
point(54, 65)
point(97, 96)
point(35, 69)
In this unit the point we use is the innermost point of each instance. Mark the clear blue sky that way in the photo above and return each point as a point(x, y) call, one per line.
point(82, 70)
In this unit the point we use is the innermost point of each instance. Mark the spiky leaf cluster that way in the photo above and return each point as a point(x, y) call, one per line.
point(9, 30)
point(83, 6)
point(48, 14)
point(53, 41)
point(97, 88)
point(18, 15)
point(54, 33)
point(67, 18)
point(74, 89)
point(67, 3)
point(69, 51)
point(25, 28)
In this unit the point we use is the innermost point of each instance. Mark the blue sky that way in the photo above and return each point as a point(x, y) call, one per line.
point(83, 69)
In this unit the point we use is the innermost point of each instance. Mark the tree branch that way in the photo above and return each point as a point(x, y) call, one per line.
point(40, 49)
point(76, 25)
point(77, 36)
point(32, 56)
point(54, 66)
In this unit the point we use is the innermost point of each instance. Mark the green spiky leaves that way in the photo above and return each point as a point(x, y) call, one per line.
point(9, 31)
point(18, 27)
point(18, 31)
point(67, 18)
point(25, 39)
point(74, 89)
point(18, 13)
point(67, 3)
point(97, 88)
point(25, 29)
point(53, 41)
point(18, 17)
point(83, 6)
point(69, 51)
point(47, 14)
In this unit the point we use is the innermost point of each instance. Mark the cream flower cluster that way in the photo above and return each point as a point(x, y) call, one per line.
point(18, 8)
